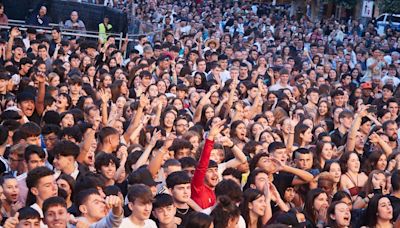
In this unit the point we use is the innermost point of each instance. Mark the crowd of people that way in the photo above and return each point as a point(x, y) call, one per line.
point(233, 117)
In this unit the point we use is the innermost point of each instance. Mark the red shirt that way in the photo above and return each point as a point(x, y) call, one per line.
point(203, 195)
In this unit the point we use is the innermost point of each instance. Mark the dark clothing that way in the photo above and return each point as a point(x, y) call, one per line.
point(73, 210)
point(184, 215)
point(282, 181)
point(39, 21)
point(35, 118)
point(396, 206)
point(338, 138)
point(380, 104)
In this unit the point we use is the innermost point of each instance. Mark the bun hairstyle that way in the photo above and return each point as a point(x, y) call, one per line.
point(224, 211)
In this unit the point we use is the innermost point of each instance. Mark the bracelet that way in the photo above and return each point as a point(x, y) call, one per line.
point(292, 133)
point(233, 145)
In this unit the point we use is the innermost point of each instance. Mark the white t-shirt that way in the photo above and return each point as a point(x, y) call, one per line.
point(127, 223)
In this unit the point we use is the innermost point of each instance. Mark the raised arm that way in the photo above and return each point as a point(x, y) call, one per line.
point(41, 77)
point(351, 137)
point(376, 139)
point(156, 120)
point(89, 137)
point(122, 154)
point(104, 105)
point(157, 160)
point(135, 122)
point(240, 157)
point(14, 33)
point(145, 156)
point(201, 169)
point(203, 101)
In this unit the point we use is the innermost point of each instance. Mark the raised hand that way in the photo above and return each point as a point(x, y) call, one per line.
point(168, 141)
point(374, 138)
point(114, 203)
point(225, 141)
point(122, 152)
point(216, 129)
point(214, 88)
point(41, 77)
point(104, 96)
point(12, 222)
point(143, 101)
point(156, 136)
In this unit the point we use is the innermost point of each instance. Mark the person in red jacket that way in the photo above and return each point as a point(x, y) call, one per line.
point(205, 177)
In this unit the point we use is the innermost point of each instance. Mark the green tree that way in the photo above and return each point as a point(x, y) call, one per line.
point(389, 6)
point(347, 4)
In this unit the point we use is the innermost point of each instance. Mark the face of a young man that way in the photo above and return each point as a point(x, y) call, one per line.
point(56, 217)
point(109, 170)
point(11, 190)
point(29, 223)
point(34, 161)
point(27, 107)
point(166, 214)
point(141, 210)
point(181, 193)
point(46, 188)
point(62, 162)
point(94, 207)
point(211, 178)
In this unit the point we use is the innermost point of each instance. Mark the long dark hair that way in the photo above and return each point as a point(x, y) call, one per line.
point(71, 182)
point(299, 129)
point(224, 211)
point(249, 196)
point(309, 211)
point(372, 210)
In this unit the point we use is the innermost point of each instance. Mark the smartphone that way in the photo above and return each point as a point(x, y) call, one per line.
point(372, 109)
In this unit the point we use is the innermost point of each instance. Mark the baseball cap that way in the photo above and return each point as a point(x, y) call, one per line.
point(142, 176)
point(366, 85)
point(25, 96)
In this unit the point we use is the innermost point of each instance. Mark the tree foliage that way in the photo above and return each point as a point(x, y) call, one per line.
point(347, 4)
point(389, 6)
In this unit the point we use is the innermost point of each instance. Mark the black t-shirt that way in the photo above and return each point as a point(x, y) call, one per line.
point(283, 180)
point(396, 205)
point(123, 186)
point(184, 215)
point(3, 166)
point(35, 118)
point(337, 138)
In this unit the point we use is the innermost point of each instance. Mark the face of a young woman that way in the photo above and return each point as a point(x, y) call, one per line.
point(385, 209)
point(353, 164)
point(320, 201)
point(241, 131)
point(382, 162)
point(342, 215)
point(323, 108)
point(335, 171)
point(307, 136)
point(326, 152)
point(258, 206)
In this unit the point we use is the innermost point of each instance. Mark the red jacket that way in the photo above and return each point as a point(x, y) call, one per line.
point(203, 195)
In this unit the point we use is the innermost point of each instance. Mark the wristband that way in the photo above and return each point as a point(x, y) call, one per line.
point(233, 145)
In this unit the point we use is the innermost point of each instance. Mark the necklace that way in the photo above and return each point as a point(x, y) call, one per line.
point(182, 213)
